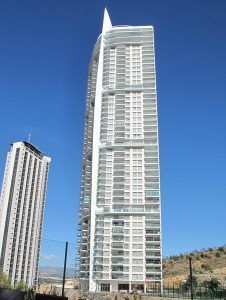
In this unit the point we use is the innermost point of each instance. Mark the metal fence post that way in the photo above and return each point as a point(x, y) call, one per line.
point(65, 266)
point(191, 278)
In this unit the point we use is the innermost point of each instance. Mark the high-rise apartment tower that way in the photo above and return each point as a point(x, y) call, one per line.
point(21, 212)
point(120, 218)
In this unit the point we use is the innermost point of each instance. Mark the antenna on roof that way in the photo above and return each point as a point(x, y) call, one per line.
point(29, 137)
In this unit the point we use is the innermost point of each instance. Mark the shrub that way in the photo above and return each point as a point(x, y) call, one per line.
point(5, 281)
point(221, 249)
point(20, 286)
point(174, 257)
point(206, 267)
point(218, 254)
point(211, 284)
point(187, 284)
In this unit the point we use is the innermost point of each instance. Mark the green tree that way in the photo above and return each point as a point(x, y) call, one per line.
point(186, 285)
point(30, 294)
point(20, 286)
point(212, 284)
point(5, 281)
point(206, 267)
point(218, 254)
point(221, 249)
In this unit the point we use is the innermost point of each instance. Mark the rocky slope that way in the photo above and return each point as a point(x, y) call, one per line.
point(207, 263)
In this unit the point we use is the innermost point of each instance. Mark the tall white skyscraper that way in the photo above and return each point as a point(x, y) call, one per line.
point(120, 215)
point(21, 212)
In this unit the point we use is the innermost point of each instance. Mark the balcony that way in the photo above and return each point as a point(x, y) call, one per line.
point(99, 232)
point(153, 247)
point(153, 277)
point(98, 253)
point(152, 232)
point(152, 239)
point(153, 262)
point(117, 239)
point(152, 201)
point(152, 193)
point(149, 225)
point(130, 210)
point(118, 231)
point(118, 246)
point(117, 252)
point(118, 223)
point(153, 255)
point(101, 276)
point(153, 270)
point(119, 276)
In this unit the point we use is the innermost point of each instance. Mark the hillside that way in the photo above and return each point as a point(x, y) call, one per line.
point(207, 263)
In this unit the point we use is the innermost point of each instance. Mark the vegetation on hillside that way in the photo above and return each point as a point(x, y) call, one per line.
point(5, 283)
point(207, 264)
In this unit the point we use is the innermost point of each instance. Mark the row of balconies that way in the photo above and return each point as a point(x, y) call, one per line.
point(151, 225)
point(123, 276)
point(126, 202)
point(129, 210)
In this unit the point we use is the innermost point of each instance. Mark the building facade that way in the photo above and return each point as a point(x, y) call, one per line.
point(120, 215)
point(21, 212)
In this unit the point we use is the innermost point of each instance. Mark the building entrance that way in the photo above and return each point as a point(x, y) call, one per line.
point(123, 287)
point(137, 287)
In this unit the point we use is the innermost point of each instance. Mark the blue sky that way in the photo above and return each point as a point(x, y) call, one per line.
point(45, 47)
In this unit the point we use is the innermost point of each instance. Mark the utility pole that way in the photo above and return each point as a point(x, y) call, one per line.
point(65, 266)
point(191, 278)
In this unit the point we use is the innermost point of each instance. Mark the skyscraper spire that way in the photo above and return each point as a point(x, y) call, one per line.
point(106, 22)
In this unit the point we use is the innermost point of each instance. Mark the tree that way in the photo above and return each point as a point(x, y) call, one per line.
point(218, 254)
point(186, 285)
point(20, 286)
point(211, 284)
point(206, 267)
point(5, 281)
point(221, 249)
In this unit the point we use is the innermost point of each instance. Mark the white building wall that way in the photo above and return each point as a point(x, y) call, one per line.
point(21, 216)
point(122, 245)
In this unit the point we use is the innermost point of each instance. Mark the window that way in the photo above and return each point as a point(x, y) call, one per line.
point(105, 287)
point(137, 261)
point(137, 277)
point(112, 67)
point(137, 269)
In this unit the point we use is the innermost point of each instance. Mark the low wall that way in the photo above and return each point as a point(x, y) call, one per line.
point(6, 294)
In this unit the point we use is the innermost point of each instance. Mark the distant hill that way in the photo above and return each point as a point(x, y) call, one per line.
point(207, 263)
point(50, 271)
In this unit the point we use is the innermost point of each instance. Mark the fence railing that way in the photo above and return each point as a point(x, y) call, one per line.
point(57, 275)
point(57, 267)
point(181, 292)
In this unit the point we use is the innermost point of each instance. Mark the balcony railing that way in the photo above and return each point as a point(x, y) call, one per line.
point(128, 210)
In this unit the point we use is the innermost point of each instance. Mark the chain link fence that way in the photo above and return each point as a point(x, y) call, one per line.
point(57, 269)
point(179, 291)
point(57, 275)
